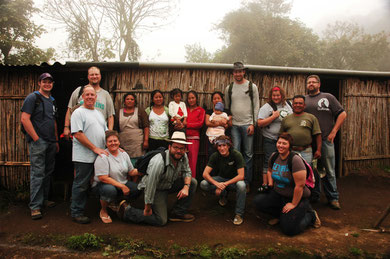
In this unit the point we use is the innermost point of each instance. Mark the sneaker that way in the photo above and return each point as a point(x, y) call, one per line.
point(223, 201)
point(49, 204)
point(335, 205)
point(238, 220)
point(81, 219)
point(273, 222)
point(36, 214)
point(121, 209)
point(181, 218)
point(317, 221)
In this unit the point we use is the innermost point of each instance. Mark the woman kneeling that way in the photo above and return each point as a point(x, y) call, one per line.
point(113, 174)
point(288, 201)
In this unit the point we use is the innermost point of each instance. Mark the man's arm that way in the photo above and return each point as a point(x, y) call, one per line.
point(339, 121)
point(317, 154)
point(80, 136)
point(185, 191)
point(110, 122)
point(27, 124)
point(239, 177)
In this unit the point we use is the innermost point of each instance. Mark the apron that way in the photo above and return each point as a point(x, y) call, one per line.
point(131, 136)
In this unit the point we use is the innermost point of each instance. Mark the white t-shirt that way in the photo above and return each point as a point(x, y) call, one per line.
point(158, 125)
point(93, 125)
point(116, 167)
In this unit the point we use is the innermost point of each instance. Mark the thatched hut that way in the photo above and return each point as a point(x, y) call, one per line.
point(363, 141)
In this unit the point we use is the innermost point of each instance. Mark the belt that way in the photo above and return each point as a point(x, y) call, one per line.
point(300, 148)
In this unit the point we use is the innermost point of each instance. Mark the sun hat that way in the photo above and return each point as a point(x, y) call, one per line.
point(179, 137)
point(239, 66)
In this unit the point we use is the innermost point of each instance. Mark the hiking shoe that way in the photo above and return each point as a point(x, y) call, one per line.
point(181, 218)
point(223, 201)
point(121, 209)
point(317, 221)
point(335, 205)
point(263, 189)
point(36, 214)
point(238, 220)
point(81, 219)
point(49, 204)
point(273, 222)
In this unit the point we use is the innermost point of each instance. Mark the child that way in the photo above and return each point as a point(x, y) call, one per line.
point(218, 115)
point(177, 108)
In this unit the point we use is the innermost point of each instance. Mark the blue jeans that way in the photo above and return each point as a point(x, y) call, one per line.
point(42, 159)
point(159, 216)
point(84, 172)
point(269, 146)
point(239, 187)
point(291, 223)
point(109, 192)
point(329, 162)
point(307, 154)
point(244, 143)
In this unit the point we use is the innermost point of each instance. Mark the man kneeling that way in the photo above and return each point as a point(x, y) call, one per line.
point(228, 167)
point(164, 176)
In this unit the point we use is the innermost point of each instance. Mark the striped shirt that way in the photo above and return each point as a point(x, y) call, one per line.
point(156, 179)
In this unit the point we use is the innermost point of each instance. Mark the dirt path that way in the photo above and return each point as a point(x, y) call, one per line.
point(363, 199)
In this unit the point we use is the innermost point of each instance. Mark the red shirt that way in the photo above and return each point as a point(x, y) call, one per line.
point(195, 120)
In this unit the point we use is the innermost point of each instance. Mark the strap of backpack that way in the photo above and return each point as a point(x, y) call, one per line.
point(38, 101)
point(273, 157)
point(252, 104)
point(230, 90)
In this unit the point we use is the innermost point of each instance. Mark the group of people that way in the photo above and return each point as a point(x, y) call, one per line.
point(107, 143)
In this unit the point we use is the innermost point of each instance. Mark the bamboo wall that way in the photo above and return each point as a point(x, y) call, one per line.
point(14, 161)
point(364, 136)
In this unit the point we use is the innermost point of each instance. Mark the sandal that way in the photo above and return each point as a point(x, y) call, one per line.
point(105, 220)
point(36, 214)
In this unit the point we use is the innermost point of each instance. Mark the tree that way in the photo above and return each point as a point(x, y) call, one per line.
point(84, 26)
point(261, 33)
point(347, 46)
point(18, 33)
point(195, 53)
point(122, 20)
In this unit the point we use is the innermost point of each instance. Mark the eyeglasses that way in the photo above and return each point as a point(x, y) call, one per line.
point(182, 149)
point(312, 82)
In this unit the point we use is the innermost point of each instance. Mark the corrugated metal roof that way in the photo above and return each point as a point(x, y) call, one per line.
point(275, 69)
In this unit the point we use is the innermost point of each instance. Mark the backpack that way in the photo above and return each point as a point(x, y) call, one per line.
point(310, 179)
point(143, 162)
point(78, 97)
point(250, 91)
point(39, 101)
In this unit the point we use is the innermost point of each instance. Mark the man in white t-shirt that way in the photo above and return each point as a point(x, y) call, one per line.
point(103, 102)
point(88, 128)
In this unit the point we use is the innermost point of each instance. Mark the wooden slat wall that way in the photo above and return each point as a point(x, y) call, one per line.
point(365, 134)
point(14, 87)
point(366, 138)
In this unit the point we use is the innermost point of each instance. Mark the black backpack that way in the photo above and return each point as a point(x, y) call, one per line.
point(39, 101)
point(143, 162)
point(310, 178)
